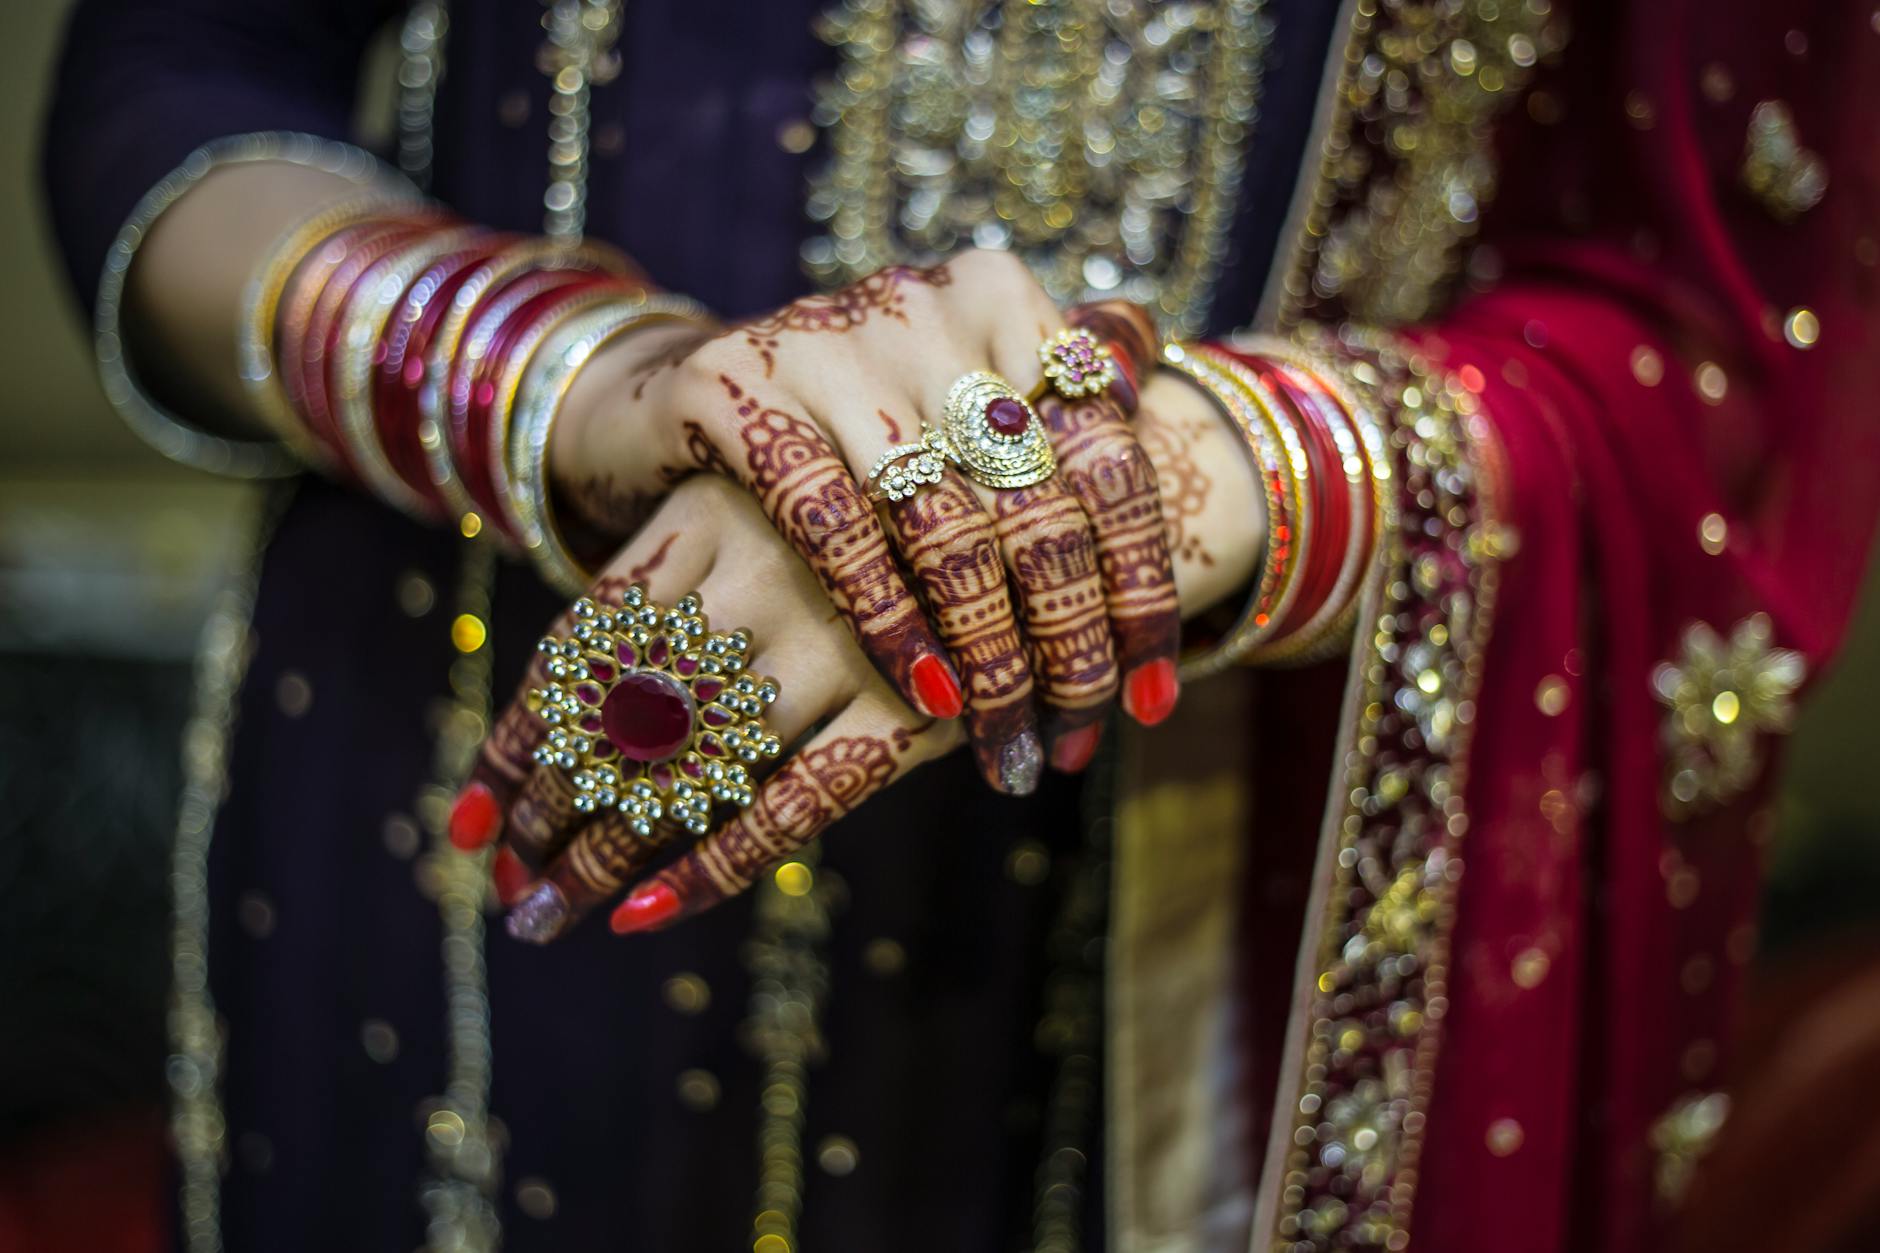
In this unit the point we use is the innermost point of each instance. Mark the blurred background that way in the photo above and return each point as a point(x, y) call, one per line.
point(109, 559)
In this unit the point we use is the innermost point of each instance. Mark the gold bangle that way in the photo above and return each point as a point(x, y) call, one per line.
point(1267, 622)
point(1277, 458)
point(446, 342)
point(1365, 462)
point(543, 387)
point(261, 301)
point(376, 294)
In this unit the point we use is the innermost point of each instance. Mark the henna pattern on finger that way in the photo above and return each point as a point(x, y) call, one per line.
point(653, 562)
point(816, 505)
point(1047, 544)
point(597, 863)
point(950, 548)
point(1184, 485)
point(541, 816)
point(1130, 333)
point(795, 805)
point(882, 293)
point(1102, 465)
point(507, 756)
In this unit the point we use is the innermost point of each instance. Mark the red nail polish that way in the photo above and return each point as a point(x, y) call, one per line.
point(936, 688)
point(649, 905)
point(509, 875)
point(1074, 749)
point(474, 817)
point(1150, 690)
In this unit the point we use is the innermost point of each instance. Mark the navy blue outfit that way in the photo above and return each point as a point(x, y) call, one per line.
point(932, 1070)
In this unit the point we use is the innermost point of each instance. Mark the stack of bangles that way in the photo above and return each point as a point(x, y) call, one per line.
point(395, 347)
point(1318, 452)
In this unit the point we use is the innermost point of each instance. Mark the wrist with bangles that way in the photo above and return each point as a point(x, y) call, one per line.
point(1312, 433)
point(426, 359)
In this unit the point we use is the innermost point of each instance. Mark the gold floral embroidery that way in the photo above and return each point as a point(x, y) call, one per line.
point(1360, 1098)
point(1681, 1138)
point(1788, 178)
point(1405, 169)
point(1104, 142)
point(1722, 697)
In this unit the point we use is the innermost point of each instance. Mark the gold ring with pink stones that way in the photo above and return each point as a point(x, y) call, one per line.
point(1077, 365)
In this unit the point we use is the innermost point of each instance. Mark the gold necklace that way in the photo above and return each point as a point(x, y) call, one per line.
point(1102, 140)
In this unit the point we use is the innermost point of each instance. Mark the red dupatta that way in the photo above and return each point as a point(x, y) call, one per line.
point(1656, 397)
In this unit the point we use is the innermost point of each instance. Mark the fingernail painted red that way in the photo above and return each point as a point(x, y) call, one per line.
point(1074, 749)
point(647, 907)
point(936, 688)
point(1150, 690)
point(473, 818)
point(509, 875)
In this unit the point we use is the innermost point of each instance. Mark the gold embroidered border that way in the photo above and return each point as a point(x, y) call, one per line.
point(1406, 167)
point(1341, 1169)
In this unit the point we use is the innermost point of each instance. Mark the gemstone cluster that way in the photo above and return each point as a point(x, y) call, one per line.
point(652, 713)
point(1076, 364)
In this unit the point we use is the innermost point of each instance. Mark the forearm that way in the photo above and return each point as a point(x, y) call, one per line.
point(1211, 503)
point(185, 293)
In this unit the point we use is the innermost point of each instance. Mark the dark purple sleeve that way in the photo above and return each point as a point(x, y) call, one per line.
point(142, 83)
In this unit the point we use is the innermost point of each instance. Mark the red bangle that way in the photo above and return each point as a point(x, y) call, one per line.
point(466, 420)
point(486, 318)
point(1329, 510)
point(319, 340)
point(1353, 456)
point(302, 291)
point(493, 394)
point(401, 358)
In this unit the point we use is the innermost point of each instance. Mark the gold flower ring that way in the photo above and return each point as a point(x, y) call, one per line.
point(652, 713)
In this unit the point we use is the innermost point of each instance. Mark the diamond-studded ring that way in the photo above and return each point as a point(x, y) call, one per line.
point(1077, 365)
point(652, 713)
point(990, 431)
point(906, 468)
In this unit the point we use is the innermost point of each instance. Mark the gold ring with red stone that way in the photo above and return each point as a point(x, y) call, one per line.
point(652, 713)
point(991, 432)
point(1077, 365)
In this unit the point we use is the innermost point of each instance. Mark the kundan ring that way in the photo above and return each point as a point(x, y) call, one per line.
point(1077, 365)
point(989, 430)
point(652, 713)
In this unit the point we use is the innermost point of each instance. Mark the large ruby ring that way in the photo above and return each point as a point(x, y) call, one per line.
point(652, 713)
point(990, 431)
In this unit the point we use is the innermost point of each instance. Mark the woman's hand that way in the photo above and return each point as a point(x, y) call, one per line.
point(795, 407)
point(710, 535)
point(847, 734)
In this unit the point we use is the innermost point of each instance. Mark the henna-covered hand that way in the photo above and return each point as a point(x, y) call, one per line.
point(795, 406)
point(556, 864)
